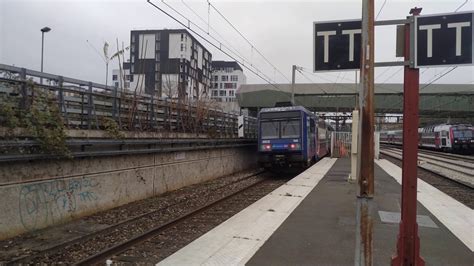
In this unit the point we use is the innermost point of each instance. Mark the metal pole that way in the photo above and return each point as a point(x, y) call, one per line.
point(293, 69)
point(42, 51)
point(408, 245)
point(107, 74)
point(356, 95)
point(365, 192)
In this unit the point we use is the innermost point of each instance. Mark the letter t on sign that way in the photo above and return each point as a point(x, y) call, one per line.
point(429, 39)
point(458, 27)
point(326, 35)
point(351, 41)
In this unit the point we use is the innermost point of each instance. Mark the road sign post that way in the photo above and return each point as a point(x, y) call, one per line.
point(435, 40)
point(408, 244)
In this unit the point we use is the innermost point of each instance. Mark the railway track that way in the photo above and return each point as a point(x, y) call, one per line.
point(133, 246)
point(56, 252)
point(456, 168)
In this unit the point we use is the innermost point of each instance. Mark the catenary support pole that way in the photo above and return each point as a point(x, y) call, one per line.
point(293, 70)
point(365, 177)
point(408, 244)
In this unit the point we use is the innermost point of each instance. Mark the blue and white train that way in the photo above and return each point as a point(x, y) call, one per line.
point(291, 137)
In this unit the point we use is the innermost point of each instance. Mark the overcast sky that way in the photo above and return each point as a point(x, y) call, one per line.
point(281, 30)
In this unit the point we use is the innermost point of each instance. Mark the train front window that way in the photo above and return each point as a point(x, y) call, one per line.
point(462, 134)
point(270, 130)
point(290, 129)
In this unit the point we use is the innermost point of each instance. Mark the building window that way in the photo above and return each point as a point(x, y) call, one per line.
point(228, 85)
point(116, 84)
point(234, 78)
point(214, 93)
point(127, 77)
point(114, 77)
point(229, 69)
point(132, 49)
point(157, 67)
point(222, 93)
point(127, 85)
point(232, 93)
point(157, 46)
point(182, 45)
point(225, 78)
point(131, 78)
point(158, 36)
point(182, 37)
point(215, 78)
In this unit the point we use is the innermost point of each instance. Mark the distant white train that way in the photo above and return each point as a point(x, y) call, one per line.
point(457, 138)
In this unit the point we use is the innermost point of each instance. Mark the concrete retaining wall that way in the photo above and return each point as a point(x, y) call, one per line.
point(37, 194)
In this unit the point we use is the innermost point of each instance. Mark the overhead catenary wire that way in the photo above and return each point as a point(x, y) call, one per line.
point(247, 40)
point(310, 80)
point(307, 70)
point(215, 31)
point(190, 22)
point(439, 77)
point(217, 47)
point(465, 2)
point(234, 51)
point(380, 10)
point(203, 30)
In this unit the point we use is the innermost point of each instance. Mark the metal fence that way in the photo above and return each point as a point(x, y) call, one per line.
point(88, 105)
point(341, 144)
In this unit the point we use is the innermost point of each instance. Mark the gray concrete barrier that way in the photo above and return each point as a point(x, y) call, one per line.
point(41, 193)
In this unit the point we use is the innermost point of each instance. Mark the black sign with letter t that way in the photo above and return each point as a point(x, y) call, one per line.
point(444, 39)
point(337, 45)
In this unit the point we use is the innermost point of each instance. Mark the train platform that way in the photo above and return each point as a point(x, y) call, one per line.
point(311, 220)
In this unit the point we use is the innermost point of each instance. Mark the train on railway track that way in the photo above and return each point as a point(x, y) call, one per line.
point(291, 137)
point(455, 138)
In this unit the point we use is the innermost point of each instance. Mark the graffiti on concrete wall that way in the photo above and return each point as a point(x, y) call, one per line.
point(47, 202)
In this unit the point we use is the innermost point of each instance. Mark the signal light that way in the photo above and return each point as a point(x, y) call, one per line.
point(294, 146)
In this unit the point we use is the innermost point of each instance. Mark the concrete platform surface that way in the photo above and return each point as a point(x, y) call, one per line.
point(236, 240)
point(321, 231)
point(311, 220)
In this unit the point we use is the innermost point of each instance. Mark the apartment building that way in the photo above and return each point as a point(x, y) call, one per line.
point(168, 63)
point(227, 76)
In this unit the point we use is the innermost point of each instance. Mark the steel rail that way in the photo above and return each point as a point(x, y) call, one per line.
point(54, 248)
point(23, 157)
point(439, 159)
point(438, 153)
point(431, 171)
point(80, 142)
point(121, 247)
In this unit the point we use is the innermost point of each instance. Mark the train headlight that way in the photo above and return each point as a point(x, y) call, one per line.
point(294, 146)
point(267, 147)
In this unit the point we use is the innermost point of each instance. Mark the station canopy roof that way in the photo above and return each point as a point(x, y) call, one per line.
point(323, 97)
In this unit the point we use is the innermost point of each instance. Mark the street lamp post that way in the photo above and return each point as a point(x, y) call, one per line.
point(43, 30)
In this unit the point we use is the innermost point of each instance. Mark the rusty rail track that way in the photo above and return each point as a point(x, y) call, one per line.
point(121, 247)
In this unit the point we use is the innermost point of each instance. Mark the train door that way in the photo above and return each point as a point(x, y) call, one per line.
point(437, 140)
point(312, 138)
point(444, 135)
